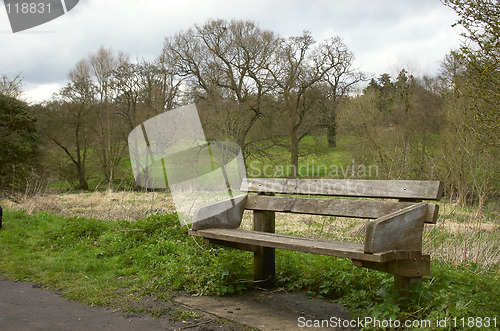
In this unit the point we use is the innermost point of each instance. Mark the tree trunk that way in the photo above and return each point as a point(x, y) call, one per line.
point(331, 134)
point(82, 182)
point(294, 155)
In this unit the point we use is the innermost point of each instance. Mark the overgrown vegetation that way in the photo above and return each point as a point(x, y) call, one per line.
point(110, 263)
point(77, 255)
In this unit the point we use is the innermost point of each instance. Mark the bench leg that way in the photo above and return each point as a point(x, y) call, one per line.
point(402, 286)
point(264, 268)
point(264, 262)
point(407, 272)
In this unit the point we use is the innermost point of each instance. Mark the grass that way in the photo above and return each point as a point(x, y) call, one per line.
point(116, 263)
point(107, 205)
point(460, 235)
point(317, 160)
point(104, 262)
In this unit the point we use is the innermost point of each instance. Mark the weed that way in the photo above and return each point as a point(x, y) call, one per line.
point(182, 315)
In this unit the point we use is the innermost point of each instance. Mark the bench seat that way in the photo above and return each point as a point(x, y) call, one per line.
point(254, 239)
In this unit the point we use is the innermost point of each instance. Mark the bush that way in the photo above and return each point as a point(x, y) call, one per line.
point(19, 141)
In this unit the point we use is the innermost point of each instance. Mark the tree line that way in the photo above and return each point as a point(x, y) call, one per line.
point(241, 76)
point(263, 90)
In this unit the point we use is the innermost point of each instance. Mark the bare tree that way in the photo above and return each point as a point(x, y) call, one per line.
point(11, 86)
point(71, 138)
point(310, 83)
point(71, 107)
point(145, 89)
point(90, 96)
point(224, 63)
point(164, 83)
point(295, 73)
point(109, 127)
point(341, 78)
point(128, 81)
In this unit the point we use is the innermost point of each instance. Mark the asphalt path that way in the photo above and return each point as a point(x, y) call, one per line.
point(28, 306)
point(25, 306)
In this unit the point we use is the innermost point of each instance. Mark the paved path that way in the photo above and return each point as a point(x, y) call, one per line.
point(23, 307)
point(27, 307)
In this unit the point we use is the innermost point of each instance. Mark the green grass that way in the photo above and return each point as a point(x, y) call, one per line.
point(317, 160)
point(115, 262)
point(88, 259)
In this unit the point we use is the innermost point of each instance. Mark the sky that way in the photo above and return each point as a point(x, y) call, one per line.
point(384, 35)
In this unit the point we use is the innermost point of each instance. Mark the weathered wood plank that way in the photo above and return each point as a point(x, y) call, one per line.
point(406, 272)
point(432, 213)
point(230, 244)
point(307, 245)
point(401, 230)
point(396, 189)
point(264, 221)
point(330, 207)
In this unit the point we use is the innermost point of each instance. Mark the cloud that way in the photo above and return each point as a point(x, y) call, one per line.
point(34, 93)
point(378, 32)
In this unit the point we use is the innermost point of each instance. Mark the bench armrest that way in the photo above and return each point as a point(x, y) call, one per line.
point(400, 230)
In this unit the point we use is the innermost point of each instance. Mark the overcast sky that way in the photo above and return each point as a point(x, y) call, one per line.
point(385, 35)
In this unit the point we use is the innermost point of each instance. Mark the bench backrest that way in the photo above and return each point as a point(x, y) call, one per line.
point(395, 189)
point(407, 191)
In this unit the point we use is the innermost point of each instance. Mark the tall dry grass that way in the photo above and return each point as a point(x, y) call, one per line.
point(107, 205)
point(460, 235)
point(463, 236)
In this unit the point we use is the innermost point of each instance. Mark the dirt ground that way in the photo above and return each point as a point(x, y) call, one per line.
point(27, 306)
point(277, 311)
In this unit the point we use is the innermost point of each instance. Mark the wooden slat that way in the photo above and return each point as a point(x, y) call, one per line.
point(307, 245)
point(432, 214)
point(328, 207)
point(231, 244)
point(397, 189)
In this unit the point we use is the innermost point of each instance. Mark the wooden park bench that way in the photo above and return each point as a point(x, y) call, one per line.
point(393, 240)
